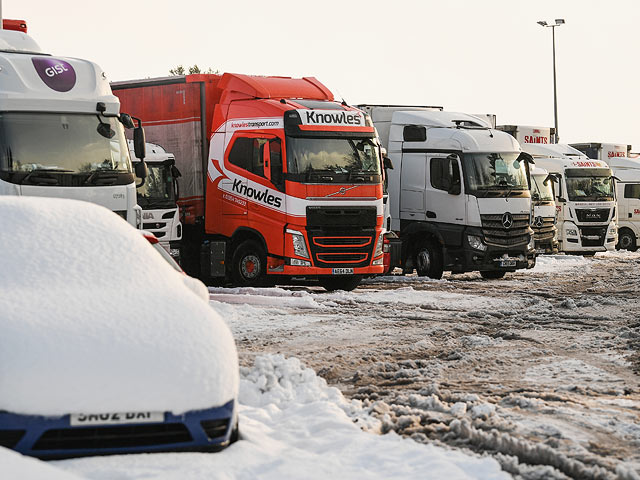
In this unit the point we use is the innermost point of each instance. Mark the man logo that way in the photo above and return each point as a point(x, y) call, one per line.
point(538, 222)
point(507, 220)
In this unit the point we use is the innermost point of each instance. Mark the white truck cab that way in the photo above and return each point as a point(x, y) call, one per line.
point(585, 198)
point(626, 171)
point(61, 134)
point(458, 192)
point(544, 211)
point(158, 196)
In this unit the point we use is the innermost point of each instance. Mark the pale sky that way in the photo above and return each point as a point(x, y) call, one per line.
point(470, 56)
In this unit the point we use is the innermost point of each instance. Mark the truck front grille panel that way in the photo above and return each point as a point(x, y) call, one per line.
point(593, 236)
point(332, 249)
point(592, 214)
point(496, 234)
point(546, 231)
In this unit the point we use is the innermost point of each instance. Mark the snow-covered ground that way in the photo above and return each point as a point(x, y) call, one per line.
point(533, 376)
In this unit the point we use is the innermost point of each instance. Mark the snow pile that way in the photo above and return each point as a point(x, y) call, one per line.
point(557, 264)
point(18, 467)
point(294, 426)
point(93, 320)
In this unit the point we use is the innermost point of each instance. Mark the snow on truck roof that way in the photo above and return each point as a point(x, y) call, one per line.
point(93, 320)
point(436, 118)
point(13, 41)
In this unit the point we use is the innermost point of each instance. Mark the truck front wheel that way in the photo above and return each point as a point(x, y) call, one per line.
point(248, 265)
point(627, 240)
point(428, 260)
point(340, 283)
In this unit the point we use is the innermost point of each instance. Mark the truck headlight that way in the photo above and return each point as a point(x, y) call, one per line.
point(299, 245)
point(378, 251)
point(532, 242)
point(476, 242)
point(572, 232)
point(612, 229)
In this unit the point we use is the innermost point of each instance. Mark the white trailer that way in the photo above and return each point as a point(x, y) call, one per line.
point(61, 134)
point(458, 192)
point(158, 197)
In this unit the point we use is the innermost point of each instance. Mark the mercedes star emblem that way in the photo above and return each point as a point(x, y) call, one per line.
point(507, 220)
point(538, 222)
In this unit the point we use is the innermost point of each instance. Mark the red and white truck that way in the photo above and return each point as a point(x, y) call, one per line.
point(278, 179)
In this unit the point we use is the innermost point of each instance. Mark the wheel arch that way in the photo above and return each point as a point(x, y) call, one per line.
point(246, 233)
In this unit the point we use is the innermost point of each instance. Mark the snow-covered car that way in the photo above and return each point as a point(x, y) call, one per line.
point(104, 347)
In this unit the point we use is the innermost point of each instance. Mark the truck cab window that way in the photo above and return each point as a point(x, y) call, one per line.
point(444, 174)
point(632, 190)
point(247, 153)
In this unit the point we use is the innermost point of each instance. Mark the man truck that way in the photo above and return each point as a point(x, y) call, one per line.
point(626, 171)
point(458, 192)
point(584, 194)
point(278, 179)
point(158, 197)
point(61, 134)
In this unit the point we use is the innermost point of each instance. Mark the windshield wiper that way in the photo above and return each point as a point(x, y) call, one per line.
point(41, 174)
point(102, 175)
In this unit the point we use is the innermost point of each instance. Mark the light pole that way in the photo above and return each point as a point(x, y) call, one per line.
point(557, 23)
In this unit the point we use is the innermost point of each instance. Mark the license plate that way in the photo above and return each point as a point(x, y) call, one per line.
point(540, 251)
point(507, 262)
point(83, 419)
point(342, 271)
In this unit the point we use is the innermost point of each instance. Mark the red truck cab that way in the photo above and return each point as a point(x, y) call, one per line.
point(292, 181)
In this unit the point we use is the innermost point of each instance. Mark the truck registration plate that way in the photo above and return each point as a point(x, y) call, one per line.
point(82, 419)
point(507, 262)
point(342, 271)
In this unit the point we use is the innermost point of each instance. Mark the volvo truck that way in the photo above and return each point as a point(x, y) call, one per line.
point(584, 196)
point(278, 179)
point(158, 197)
point(626, 171)
point(458, 192)
point(61, 133)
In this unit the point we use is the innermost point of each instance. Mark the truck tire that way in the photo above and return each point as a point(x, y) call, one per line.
point(428, 260)
point(249, 264)
point(492, 274)
point(627, 240)
point(235, 433)
point(346, 283)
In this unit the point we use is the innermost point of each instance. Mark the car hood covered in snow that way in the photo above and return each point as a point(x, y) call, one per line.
point(93, 320)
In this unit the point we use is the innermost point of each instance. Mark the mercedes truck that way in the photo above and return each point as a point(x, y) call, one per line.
point(458, 192)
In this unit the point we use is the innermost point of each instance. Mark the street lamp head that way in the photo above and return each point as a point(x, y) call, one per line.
point(542, 23)
point(559, 21)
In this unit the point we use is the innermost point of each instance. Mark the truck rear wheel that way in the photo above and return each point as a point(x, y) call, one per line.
point(340, 283)
point(248, 265)
point(429, 261)
point(627, 240)
point(492, 274)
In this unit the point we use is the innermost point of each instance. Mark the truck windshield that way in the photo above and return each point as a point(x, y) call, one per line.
point(494, 171)
point(57, 143)
point(157, 190)
point(589, 185)
point(333, 160)
point(539, 191)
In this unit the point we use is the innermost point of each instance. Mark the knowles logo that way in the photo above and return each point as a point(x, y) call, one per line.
point(262, 196)
point(331, 117)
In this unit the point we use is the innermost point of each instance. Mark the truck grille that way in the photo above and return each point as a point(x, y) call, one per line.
point(497, 234)
point(341, 236)
point(543, 228)
point(592, 214)
point(592, 236)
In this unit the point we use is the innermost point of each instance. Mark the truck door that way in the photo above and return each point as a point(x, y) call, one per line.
point(257, 160)
point(412, 181)
point(446, 205)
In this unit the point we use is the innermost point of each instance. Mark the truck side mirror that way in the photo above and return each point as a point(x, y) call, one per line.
point(387, 163)
point(266, 160)
point(139, 146)
point(561, 200)
point(126, 120)
point(141, 171)
point(455, 187)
